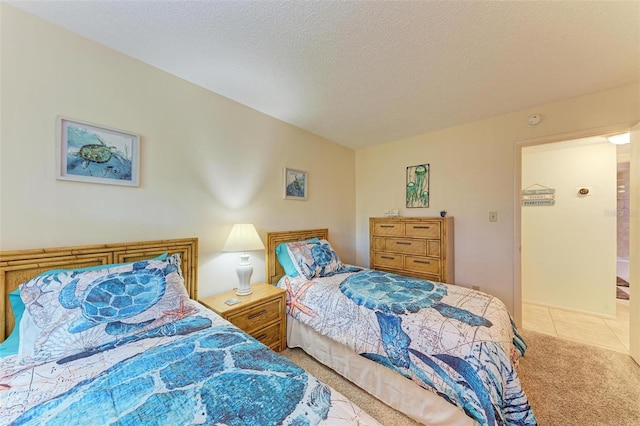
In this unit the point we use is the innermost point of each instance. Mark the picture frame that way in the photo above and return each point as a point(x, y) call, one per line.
point(295, 184)
point(94, 153)
point(417, 186)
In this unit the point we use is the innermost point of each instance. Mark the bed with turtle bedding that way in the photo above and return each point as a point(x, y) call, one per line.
point(458, 347)
point(110, 334)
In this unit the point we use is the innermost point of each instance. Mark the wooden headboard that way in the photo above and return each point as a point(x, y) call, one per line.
point(274, 270)
point(19, 266)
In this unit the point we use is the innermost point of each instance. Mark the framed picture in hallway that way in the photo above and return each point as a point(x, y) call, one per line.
point(97, 154)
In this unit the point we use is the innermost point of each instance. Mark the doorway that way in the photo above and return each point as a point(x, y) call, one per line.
point(635, 159)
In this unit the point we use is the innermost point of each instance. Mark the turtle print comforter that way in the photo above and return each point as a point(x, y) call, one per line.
point(197, 370)
point(459, 343)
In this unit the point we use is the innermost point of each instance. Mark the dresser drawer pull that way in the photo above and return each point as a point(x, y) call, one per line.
point(422, 261)
point(257, 314)
point(403, 243)
point(261, 337)
point(387, 226)
point(388, 257)
point(421, 227)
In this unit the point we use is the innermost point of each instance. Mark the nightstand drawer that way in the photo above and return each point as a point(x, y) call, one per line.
point(257, 316)
point(269, 336)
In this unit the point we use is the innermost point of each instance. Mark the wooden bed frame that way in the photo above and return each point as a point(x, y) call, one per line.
point(19, 266)
point(274, 269)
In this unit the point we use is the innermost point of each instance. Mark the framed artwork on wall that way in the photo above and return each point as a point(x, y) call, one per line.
point(417, 189)
point(93, 153)
point(295, 183)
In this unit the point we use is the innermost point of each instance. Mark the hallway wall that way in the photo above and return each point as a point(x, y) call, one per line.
point(569, 248)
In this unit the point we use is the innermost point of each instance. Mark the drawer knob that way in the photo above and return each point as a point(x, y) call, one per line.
point(388, 257)
point(387, 226)
point(257, 314)
point(403, 243)
point(261, 337)
point(422, 261)
point(421, 227)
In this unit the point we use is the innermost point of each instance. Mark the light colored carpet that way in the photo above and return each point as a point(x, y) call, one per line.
point(567, 383)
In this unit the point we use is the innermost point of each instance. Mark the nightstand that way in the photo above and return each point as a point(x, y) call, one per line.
point(262, 314)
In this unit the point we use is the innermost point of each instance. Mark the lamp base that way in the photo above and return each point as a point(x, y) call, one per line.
point(244, 271)
point(244, 292)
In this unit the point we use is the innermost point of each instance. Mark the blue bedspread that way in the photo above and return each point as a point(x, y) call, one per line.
point(461, 344)
point(215, 375)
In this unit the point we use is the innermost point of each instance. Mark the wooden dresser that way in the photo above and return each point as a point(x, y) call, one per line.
point(420, 247)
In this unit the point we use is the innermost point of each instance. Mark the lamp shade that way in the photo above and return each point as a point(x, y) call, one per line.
point(243, 237)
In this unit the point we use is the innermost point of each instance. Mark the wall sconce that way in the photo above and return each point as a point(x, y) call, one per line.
point(243, 238)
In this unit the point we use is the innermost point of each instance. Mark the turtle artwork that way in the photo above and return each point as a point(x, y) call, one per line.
point(99, 153)
point(116, 297)
point(91, 154)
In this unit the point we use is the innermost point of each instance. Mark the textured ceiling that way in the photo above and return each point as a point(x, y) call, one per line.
point(367, 72)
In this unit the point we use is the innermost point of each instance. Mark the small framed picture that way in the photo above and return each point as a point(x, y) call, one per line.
point(295, 184)
point(93, 153)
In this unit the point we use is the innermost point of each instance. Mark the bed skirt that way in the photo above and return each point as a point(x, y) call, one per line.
point(396, 391)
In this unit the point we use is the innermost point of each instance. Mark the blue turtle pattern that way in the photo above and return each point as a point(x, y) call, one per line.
point(215, 376)
point(390, 296)
point(115, 297)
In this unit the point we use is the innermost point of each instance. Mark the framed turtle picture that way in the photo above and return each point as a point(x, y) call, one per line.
point(94, 153)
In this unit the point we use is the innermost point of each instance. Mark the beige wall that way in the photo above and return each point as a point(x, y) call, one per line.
point(569, 249)
point(473, 173)
point(207, 162)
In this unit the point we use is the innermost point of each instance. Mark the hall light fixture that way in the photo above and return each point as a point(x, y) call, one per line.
point(243, 238)
point(620, 139)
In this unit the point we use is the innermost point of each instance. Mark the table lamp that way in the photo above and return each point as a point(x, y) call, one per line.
point(243, 238)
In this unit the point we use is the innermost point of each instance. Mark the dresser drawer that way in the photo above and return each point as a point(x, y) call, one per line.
point(422, 265)
point(422, 229)
point(269, 336)
point(257, 316)
point(406, 246)
point(392, 229)
point(389, 260)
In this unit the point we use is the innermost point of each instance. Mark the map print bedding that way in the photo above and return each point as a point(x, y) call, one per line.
point(218, 375)
point(124, 344)
point(459, 343)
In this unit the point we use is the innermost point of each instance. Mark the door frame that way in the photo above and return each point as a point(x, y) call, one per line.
point(517, 187)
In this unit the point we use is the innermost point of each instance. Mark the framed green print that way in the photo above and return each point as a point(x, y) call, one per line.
point(418, 186)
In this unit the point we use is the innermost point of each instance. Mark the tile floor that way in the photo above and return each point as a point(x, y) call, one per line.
point(606, 333)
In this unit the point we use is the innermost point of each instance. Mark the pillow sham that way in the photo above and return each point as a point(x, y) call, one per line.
point(285, 260)
point(84, 311)
point(24, 331)
point(314, 258)
point(12, 343)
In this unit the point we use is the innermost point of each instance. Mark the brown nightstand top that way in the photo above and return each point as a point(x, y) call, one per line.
point(261, 291)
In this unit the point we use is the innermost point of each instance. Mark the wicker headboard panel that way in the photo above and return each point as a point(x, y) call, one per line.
point(19, 266)
point(274, 270)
